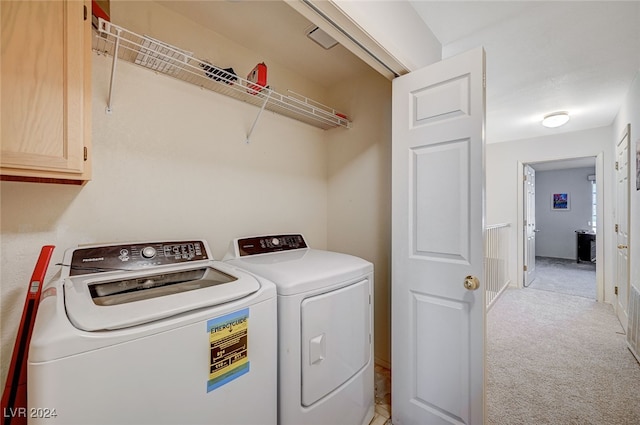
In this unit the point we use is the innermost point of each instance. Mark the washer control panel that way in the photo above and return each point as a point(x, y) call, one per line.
point(271, 243)
point(137, 256)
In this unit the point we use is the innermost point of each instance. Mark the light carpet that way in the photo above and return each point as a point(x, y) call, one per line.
point(565, 276)
point(558, 359)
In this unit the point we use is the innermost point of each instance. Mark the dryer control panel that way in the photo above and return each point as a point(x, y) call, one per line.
point(106, 258)
point(271, 243)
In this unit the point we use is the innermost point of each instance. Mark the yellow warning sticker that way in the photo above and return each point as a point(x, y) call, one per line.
point(228, 340)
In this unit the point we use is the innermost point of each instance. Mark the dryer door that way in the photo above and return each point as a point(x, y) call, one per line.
point(336, 339)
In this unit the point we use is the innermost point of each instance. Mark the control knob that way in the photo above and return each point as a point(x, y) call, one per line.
point(148, 252)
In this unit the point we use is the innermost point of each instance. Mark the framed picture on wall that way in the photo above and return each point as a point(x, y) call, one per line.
point(560, 202)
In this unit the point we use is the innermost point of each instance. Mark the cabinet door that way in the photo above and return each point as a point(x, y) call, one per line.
point(45, 88)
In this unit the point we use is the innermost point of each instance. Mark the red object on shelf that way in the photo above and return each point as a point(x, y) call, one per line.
point(258, 75)
point(100, 9)
point(14, 398)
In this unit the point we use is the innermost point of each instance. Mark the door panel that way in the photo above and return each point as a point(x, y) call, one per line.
point(441, 101)
point(622, 220)
point(437, 241)
point(441, 233)
point(529, 224)
point(442, 372)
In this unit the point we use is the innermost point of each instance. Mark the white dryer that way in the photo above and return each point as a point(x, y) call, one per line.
point(153, 333)
point(325, 338)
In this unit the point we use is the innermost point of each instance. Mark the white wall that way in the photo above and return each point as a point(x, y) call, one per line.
point(556, 237)
point(504, 186)
point(630, 113)
point(359, 192)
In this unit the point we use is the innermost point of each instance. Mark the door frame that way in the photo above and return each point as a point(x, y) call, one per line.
point(526, 276)
point(600, 228)
point(624, 314)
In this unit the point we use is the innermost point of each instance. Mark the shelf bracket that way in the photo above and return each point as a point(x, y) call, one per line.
point(113, 69)
point(266, 99)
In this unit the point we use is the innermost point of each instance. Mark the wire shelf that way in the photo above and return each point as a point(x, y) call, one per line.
point(163, 58)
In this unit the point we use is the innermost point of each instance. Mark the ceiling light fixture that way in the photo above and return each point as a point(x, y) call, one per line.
point(555, 119)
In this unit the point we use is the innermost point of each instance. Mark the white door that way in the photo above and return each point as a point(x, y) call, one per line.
point(529, 225)
point(622, 223)
point(438, 324)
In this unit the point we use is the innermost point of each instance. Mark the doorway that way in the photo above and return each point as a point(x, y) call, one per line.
point(565, 276)
point(562, 226)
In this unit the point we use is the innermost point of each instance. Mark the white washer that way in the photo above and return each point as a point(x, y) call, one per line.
point(325, 339)
point(153, 333)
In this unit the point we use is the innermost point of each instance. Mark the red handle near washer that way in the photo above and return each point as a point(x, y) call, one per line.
point(14, 398)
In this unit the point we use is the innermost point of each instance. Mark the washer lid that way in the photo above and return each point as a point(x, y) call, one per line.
point(117, 300)
point(303, 270)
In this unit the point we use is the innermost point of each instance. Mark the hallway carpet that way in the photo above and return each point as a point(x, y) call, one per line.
point(558, 359)
point(565, 276)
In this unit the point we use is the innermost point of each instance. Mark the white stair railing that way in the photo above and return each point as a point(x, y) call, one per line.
point(495, 261)
point(633, 327)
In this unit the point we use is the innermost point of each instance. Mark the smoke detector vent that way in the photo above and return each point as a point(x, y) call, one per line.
point(320, 37)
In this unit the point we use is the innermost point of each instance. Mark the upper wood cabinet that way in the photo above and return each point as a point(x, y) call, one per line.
point(46, 91)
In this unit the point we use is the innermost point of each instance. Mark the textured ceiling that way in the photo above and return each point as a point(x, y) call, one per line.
point(543, 57)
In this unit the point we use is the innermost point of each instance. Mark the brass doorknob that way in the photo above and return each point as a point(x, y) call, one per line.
point(622, 246)
point(471, 283)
